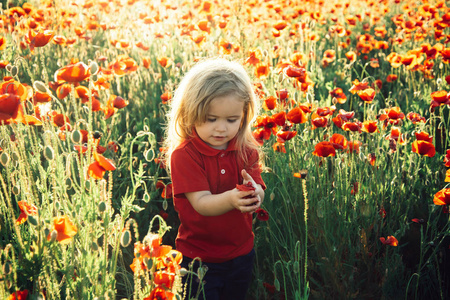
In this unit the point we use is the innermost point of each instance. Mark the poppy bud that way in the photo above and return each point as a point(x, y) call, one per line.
point(93, 67)
point(8, 67)
point(15, 156)
point(32, 220)
point(201, 272)
point(53, 236)
point(87, 185)
point(183, 272)
point(125, 239)
point(102, 206)
point(272, 196)
point(165, 204)
point(16, 190)
point(14, 71)
point(49, 154)
point(149, 155)
point(40, 86)
point(77, 137)
point(7, 268)
point(68, 183)
point(276, 283)
point(148, 262)
point(146, 197)
point(296, 267)
point(94, 246)
point(4, 159)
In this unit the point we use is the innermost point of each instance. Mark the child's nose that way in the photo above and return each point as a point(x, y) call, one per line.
point(221, 126)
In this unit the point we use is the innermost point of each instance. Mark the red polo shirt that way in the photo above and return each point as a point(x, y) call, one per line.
point(195, 166)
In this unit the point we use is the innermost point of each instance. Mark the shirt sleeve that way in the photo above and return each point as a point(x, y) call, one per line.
point(187, 173)
point(254, 169)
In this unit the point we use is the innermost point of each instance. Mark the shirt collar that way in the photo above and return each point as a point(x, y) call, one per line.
point(205, 149)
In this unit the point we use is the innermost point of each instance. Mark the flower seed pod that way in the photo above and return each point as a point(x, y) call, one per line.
point(40, 86)
point(93, 67)
point(102, 206)
point(125, 239)
point(49, 154)
point(14, 71)
point(272, 196)
point(32, 220)
point(76, 137)
point(4, 159)
point(53, 236)
point(183, 271)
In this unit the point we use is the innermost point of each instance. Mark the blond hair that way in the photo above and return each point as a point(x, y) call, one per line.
point(205, 81)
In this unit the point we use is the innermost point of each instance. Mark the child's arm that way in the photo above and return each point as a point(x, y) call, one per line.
point(208, 204)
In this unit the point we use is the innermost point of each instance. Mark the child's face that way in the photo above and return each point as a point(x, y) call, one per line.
point(223, 121)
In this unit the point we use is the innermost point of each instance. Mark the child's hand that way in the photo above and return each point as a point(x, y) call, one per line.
point(244, 201)
point(258, 190)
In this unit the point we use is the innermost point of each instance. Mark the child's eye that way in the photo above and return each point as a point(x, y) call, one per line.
point(232, 120)
point(210, 119)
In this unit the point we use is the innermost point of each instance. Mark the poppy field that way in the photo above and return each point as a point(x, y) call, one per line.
point(354, 124)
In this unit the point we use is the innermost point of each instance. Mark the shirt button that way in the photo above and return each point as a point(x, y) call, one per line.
point(222, 155)
point(222, 171)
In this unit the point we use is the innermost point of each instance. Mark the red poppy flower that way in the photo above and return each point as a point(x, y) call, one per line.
point(439, 98)
point(339, 95)
point(123, 65)
point(339, 141)
point(72, 73)
point(297, 116)
point(319, 122)
point(396, 136)
point(423, 148)
point(324, 149)
point(270, 103)
point(38, 38)
point(424, 136)
point(26, 209)
point(255, 56)
point(279, 147)
point(390, 241)
point(292, 71)
point(371, 157)
point(442, 197)
point(391, 78)
point(447, 159)
point(447, 176)
point(352, 126)
point(10, 108)
point(369, 126)
point(353, 146)
point(262, 214)
point(262, 70)
point(167, 189)
point(358, 86)
point(101, 164)
point(415, 118)
point(160, 293)
point(394, 113)
point(65, 229)
point(285, 135)
point(18, 295)
point(279, 118)
point(367, 95)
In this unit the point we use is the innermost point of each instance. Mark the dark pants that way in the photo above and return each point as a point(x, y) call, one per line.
point(222, 281)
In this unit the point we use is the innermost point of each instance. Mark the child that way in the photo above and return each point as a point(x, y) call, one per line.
point(210, 150)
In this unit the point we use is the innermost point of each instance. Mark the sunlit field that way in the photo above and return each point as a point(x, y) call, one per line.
point(354, 124)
